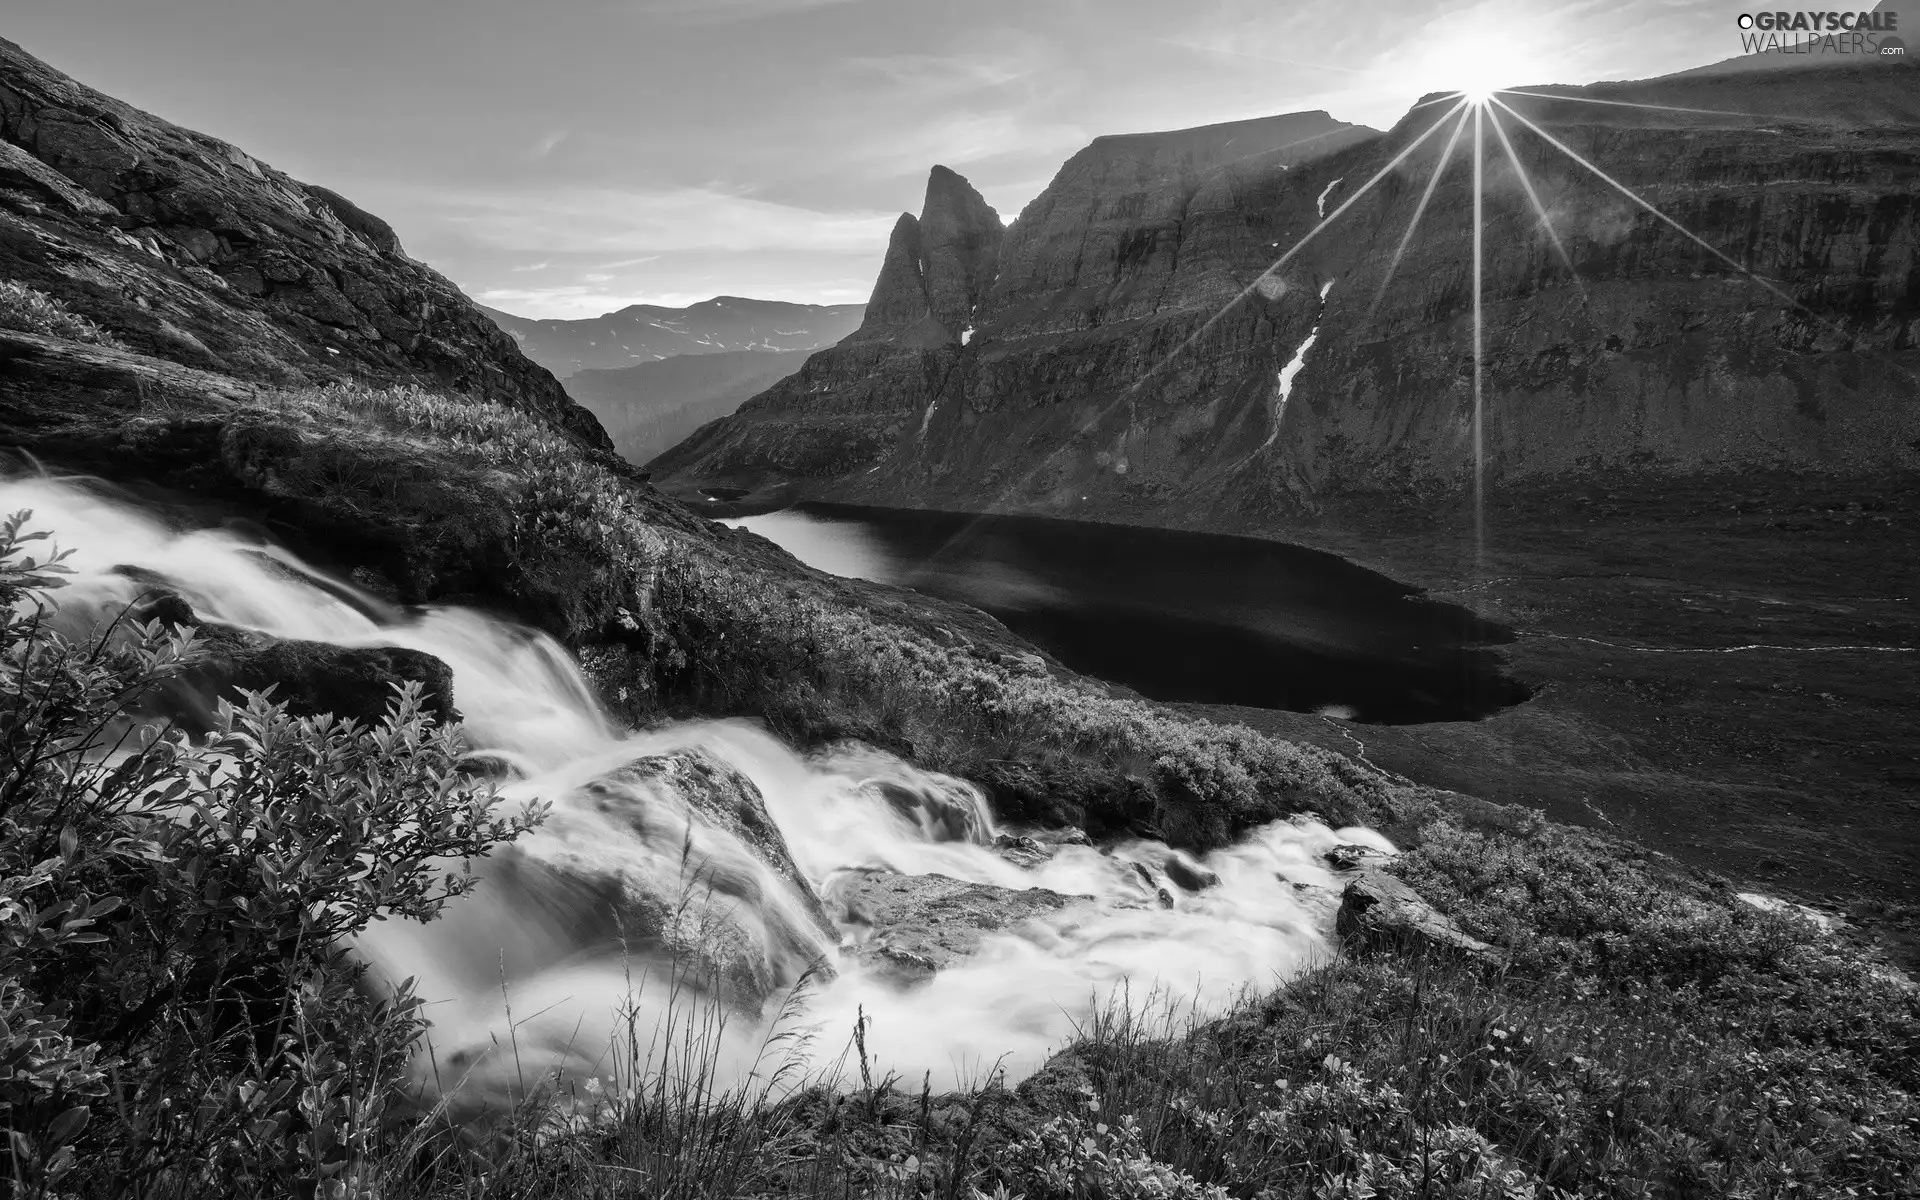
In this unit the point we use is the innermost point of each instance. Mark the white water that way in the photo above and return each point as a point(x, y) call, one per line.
point(539, 935)
point(1284, 384)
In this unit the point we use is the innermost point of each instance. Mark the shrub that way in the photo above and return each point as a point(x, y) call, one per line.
point(30, 310)
point(178, 1015)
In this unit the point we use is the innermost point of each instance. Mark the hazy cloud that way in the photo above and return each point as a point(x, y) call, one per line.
point(720, 12)
point(598, 220)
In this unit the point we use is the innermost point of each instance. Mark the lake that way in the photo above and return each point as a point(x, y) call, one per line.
point(1178, 616)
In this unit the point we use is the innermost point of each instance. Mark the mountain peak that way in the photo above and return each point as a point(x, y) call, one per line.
point(939, 266)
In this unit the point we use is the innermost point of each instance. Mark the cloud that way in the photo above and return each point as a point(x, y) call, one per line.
point(643, 222)
point(630, 262)
point(539, 266)
point(550, 142)
point(722, 12)
point(941, 75)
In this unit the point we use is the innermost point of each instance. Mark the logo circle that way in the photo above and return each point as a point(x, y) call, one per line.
point(1892, 47)
point(1745, 21)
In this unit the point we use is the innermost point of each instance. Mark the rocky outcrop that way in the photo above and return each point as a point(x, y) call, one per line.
point(899, 300)
point(960, 247)
point(937, 269)
point(854, 401)
point(921, 924)
point(189, 250)
point(1128, 358)
point(311, 678)
point(670, 857)
point(1380, 914)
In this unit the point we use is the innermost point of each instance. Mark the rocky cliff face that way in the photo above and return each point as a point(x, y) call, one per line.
point(194, 253)
point(1132, 356)
point(1098, 245)
point(851, 402)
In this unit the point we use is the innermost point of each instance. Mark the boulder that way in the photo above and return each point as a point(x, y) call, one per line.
point(669, 857)
point(921, 924)
point(310, 678)
point(1379, 913)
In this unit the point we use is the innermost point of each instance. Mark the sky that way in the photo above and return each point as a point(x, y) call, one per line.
point(564, 158)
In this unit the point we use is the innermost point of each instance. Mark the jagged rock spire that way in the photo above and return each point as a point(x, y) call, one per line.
point(938, 267)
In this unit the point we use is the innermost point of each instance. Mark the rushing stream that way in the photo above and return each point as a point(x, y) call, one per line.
point(534, 936)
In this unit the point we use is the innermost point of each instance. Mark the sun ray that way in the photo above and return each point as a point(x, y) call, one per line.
point(1129, 395)
point(1630, 194)
point(1479, 346)
point(1546, 222)
point(1433, 182)
point(1278, 263)
point(1350, 201)
point(1706, 112)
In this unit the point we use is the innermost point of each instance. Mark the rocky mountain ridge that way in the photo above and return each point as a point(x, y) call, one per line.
point(648, 332)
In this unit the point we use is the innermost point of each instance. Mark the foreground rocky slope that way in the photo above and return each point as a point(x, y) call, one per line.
point(194, 253)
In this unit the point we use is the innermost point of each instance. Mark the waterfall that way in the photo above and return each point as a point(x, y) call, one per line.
point(731, 846)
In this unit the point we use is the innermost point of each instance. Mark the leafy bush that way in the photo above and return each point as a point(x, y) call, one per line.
point(30, 310)
point(180, 1016)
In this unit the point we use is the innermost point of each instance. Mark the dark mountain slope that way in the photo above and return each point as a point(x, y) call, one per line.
point(647, 408)
point(196, 253)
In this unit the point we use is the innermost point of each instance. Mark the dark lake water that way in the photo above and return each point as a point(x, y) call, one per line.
point(1180, 616)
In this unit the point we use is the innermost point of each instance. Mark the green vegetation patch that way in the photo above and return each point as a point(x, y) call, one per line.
point(30, 310)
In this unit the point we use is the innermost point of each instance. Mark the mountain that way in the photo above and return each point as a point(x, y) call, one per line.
point(195, 253)
point(647, 408)
point(645, 332)
point(1131, 357)
point(1125, 222)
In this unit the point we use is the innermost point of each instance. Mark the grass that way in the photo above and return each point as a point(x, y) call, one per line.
point(30, 310)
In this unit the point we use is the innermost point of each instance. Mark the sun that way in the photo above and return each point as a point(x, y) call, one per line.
point(1473, 59)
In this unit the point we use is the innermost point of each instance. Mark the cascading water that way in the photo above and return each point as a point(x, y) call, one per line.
point(658, 849)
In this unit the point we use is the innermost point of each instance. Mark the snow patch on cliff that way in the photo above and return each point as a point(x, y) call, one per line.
point(1284, 386)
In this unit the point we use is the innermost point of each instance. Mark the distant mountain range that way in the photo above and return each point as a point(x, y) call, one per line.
point(643, 333)
point(648, 408)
